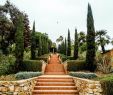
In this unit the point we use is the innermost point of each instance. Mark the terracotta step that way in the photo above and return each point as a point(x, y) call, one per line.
point(54, 68)
point(55, 84)
point(55, 92)
point(55, 80)
point(55, 88)
point(54, 77)
point(55, 73)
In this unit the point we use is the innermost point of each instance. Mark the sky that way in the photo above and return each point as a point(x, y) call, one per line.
point(54, 17)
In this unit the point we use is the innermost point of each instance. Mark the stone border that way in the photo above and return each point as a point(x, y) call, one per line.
point(88, 87)
point(20, 87)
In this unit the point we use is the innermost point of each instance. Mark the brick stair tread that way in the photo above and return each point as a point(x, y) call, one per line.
point(56, 94)
point(55, 76)
point(55, 84)
point(55, 91)
point(55, 73)
point(54, 80)
point(55, 88)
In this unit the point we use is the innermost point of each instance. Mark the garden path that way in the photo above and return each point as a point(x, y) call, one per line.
point(55, 81)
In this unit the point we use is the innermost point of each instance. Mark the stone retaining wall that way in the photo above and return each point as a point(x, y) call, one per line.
point(88, 87)
point(21, 87)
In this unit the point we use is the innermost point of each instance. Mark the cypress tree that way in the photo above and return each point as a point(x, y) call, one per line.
point(40, 47)
point(19, 41)
point(42, 40)
point(76, 45)
point(69, 44)
point(90, 54)
point(33, 43)
point(65, 47)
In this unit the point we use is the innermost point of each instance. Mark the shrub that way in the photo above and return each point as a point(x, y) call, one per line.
point(27, 55)
point(104, 64)
point(83, 75)
point(75, 65)
point(32, 65)
point(42, 58)
point(70, 57)
point(8, 77)
point(26, 75)
point(7, 64)
point(107, 84)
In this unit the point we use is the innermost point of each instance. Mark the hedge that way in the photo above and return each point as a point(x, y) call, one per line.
point(83, 75)
point(107, 84)
point(26, 75)
point(42, 58)
point(75, 65)
point(32, 65)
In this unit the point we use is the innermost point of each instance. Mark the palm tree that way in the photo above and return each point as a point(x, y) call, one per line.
point(102, 39)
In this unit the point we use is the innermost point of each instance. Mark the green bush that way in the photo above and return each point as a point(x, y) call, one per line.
point(70, 57)
point(107, 84)
point(27, 55)
point(26, 75)
point(83, 75)
point(75, 65)
point(64, 57)
point(32, 65)
point(7, 64)
point(42, 58)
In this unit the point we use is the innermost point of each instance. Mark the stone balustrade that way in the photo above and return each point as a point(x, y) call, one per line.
point(88, 87)
point(20, 87)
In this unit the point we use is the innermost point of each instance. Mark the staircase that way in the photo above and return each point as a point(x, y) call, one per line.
point(55, 85)
point(55, 81)
point(54, 67)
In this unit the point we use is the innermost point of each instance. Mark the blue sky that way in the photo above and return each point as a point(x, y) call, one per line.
point(56, 16)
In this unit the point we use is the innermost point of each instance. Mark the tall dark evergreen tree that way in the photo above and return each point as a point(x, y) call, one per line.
point(90, 54)
point(65, 47)
point(27, 31)
point(19, 40)
point(33, 43)
point(76, 45)
point(69, 44)
point(40, 47)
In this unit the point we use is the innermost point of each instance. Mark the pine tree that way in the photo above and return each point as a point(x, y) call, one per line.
point(76, 45)
point(90, 54)
point(19, 41)
point(33, 43)
point(69, 44)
